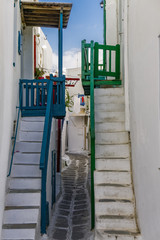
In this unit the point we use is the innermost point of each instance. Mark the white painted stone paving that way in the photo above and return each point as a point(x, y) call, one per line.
point(71, 219)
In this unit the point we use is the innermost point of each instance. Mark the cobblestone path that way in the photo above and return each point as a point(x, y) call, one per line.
point(71, 220)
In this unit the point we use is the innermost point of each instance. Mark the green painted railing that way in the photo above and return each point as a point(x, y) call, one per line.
point(92, 131)
point(106, 64)
point(100, 66)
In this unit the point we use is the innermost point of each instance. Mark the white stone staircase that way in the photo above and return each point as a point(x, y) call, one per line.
point(22, 206)
point(114, 198)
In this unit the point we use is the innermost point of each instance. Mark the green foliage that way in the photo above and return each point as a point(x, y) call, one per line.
point(39, 72)
point(68, 101)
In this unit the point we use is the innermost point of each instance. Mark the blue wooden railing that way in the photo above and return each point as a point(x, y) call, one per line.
point(45, 97)
point(34, 97)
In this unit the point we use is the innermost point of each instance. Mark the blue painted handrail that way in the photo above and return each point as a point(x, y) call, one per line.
point(44, 157)
point(15, 137)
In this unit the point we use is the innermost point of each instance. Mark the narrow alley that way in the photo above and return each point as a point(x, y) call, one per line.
point(71, 219)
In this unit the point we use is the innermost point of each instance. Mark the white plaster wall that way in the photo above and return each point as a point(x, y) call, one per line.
point(6, 93)
point(44, 53)
point(144, 66)
point(111, 22)
point(28, 54)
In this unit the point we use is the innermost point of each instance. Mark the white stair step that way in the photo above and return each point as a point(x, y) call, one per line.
point(110, 127)
point(108, 91)
point(124, 224)
point(102, 235)
point(120, 178)
point(101, 116)
point(112, 192)
point(112, 151)
point(114, 208)
point(30, 136)
point(112, 107)
point(33, 119)
point(26, 158)
point(21, 216)
point(24, 184)
point(30, 147)
point(111, 138)
point(109, 99)
point(18, 234)
point(31, 126)
point(23, 200)
point(25, 171)
point(113, 164)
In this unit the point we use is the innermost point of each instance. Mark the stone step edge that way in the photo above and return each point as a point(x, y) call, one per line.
point(21, 207)
point(112, 171)
point(19, 226)
point(113, 185)
point(111, 143)
point(114, 233)
point(108, 200)
point(126, 217)
point(14, 190)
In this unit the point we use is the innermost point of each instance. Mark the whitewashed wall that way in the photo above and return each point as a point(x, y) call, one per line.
point(44, 53)
point(144, 82)
point(9, 78)
point(28, 54)
point(111, 22)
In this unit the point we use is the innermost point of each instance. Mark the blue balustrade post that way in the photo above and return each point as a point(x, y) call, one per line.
point(60, 45)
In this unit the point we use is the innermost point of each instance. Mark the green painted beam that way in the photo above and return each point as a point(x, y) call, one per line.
point(102, 82)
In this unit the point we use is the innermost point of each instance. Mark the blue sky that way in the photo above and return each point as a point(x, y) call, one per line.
point(86, 22)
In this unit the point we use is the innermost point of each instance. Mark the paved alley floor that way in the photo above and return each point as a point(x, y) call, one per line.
point(71, 220)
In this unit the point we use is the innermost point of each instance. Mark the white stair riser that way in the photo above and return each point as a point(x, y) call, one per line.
point(112, 151)
point(25, 171)
point(30, 136)
point(18, 234)
point(117, 193)
point(109, 99)
point(113, 164)
point(109, 116)
point(114, 208)
point(121, 178)
point(29, 147)
point(110, 107)
point(24, 184)
point(33, 119)
point(108, 91)
point(112, 138)
point(23, 199)
point(31, 126)
point(110, 127)
point(116, 224)
point(105, 236)
point(26, 158)
point(21, 216)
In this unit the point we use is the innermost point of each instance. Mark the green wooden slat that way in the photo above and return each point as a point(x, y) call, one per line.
point(92, 127)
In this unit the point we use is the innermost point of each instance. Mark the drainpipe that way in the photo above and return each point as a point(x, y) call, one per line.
point(60, 67)
point(34, 54)
point(126, 77)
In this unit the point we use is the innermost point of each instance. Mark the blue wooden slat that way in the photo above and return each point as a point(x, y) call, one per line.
point(37, 94)
point(32, 95)
point(27, 95)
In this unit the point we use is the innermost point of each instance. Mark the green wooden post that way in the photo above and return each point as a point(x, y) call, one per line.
point(83, 59)
point(104, 15)
point(117, 61)
point(92, 126)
